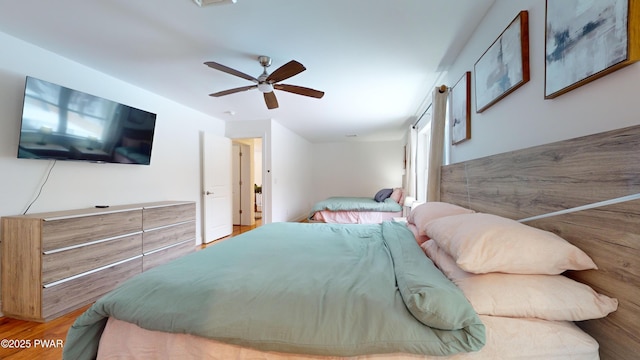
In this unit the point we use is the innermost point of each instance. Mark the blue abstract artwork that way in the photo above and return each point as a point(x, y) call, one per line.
point(505, 65)
point(583, 38)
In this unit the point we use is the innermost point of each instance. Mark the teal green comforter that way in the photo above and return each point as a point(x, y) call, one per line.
point(340, 203)
point(320, 289)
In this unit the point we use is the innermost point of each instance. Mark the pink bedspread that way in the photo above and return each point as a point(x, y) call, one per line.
point(507, 338)
point(355, 217)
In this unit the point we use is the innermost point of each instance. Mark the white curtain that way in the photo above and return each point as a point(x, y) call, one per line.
point(410, 179)
point(436, 142)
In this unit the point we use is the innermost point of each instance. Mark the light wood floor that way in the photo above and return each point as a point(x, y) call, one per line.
point(41, 336)
point(239, 229)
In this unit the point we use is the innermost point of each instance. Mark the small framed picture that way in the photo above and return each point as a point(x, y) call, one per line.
point(461, 110)
point(504, 67)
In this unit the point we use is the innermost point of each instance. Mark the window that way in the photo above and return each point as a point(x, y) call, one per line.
point(422, 156)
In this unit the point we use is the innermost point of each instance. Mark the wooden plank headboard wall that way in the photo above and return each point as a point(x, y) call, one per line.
point(564, 175)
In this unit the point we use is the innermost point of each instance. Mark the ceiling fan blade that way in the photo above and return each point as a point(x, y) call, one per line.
point(270, 100)
point(286, 71)
point(299, 90)
point(229, 70)
point(233, 91)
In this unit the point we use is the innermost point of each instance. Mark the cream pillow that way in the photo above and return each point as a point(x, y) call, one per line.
point(549, 297)
point(482, 243)
point(426, 212)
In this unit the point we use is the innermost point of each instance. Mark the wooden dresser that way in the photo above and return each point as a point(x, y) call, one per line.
point(56, 262)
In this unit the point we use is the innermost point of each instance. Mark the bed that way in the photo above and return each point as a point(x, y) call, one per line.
point(385, 205)
point(556, 188)
point(316, 291)
point(320, 289)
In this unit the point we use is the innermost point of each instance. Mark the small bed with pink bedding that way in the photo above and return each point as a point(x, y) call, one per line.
point(384, 206)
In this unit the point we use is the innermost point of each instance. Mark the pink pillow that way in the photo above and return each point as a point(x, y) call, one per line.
point(396, 195)
point(483, 243)
point(549, 297)
point(424, 213)
point(420, 239)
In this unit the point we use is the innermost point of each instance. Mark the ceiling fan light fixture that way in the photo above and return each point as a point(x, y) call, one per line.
point(202, 3)
point(265, 87)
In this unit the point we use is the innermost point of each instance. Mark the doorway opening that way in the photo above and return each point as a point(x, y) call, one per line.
point(247, 181)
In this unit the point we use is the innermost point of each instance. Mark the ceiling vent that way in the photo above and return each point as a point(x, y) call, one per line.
point(202, 3)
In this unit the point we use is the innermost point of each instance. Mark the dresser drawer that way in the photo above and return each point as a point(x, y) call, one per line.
point(161, 237)
point(159, 216)
point(162, 256)
point(70, 231)
point(66, 263)
point(69, 295)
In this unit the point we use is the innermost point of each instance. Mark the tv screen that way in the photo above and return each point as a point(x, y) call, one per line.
point(66, 124)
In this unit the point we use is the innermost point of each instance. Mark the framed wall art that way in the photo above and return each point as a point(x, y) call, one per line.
point(461, 110)
point(504, 67)
point(587, 39)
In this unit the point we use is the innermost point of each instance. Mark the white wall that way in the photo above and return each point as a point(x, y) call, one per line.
point(523, 118)
point(174, 173)
point(356, 168)
point(290, 174)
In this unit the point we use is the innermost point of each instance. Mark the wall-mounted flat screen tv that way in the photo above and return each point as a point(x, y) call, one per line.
point(64, 124)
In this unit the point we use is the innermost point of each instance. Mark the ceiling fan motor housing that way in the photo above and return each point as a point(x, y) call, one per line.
point(265, 61)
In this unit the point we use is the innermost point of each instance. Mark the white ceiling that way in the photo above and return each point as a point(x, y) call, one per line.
point(376, 60)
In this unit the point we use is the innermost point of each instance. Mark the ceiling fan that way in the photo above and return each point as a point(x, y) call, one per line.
point(266, 83)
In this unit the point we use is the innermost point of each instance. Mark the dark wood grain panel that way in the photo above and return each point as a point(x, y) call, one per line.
point(158, 216)
point(610, 235)
point(165, 236)
point(550, 177)
point(453, 185)
point(63, 232)
point(165, 255)
point(620, 344)
point(21, 290)
point(63, 264)
point(60, 299)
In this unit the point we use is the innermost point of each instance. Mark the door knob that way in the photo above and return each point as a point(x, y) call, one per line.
point(208, 193)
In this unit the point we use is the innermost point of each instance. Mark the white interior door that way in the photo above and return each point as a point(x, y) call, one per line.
point(246, 186)
point(242, 184)
point(235, 183)
point(216, 183)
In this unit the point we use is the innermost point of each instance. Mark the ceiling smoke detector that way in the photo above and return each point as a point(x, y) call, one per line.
point(202, 3)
